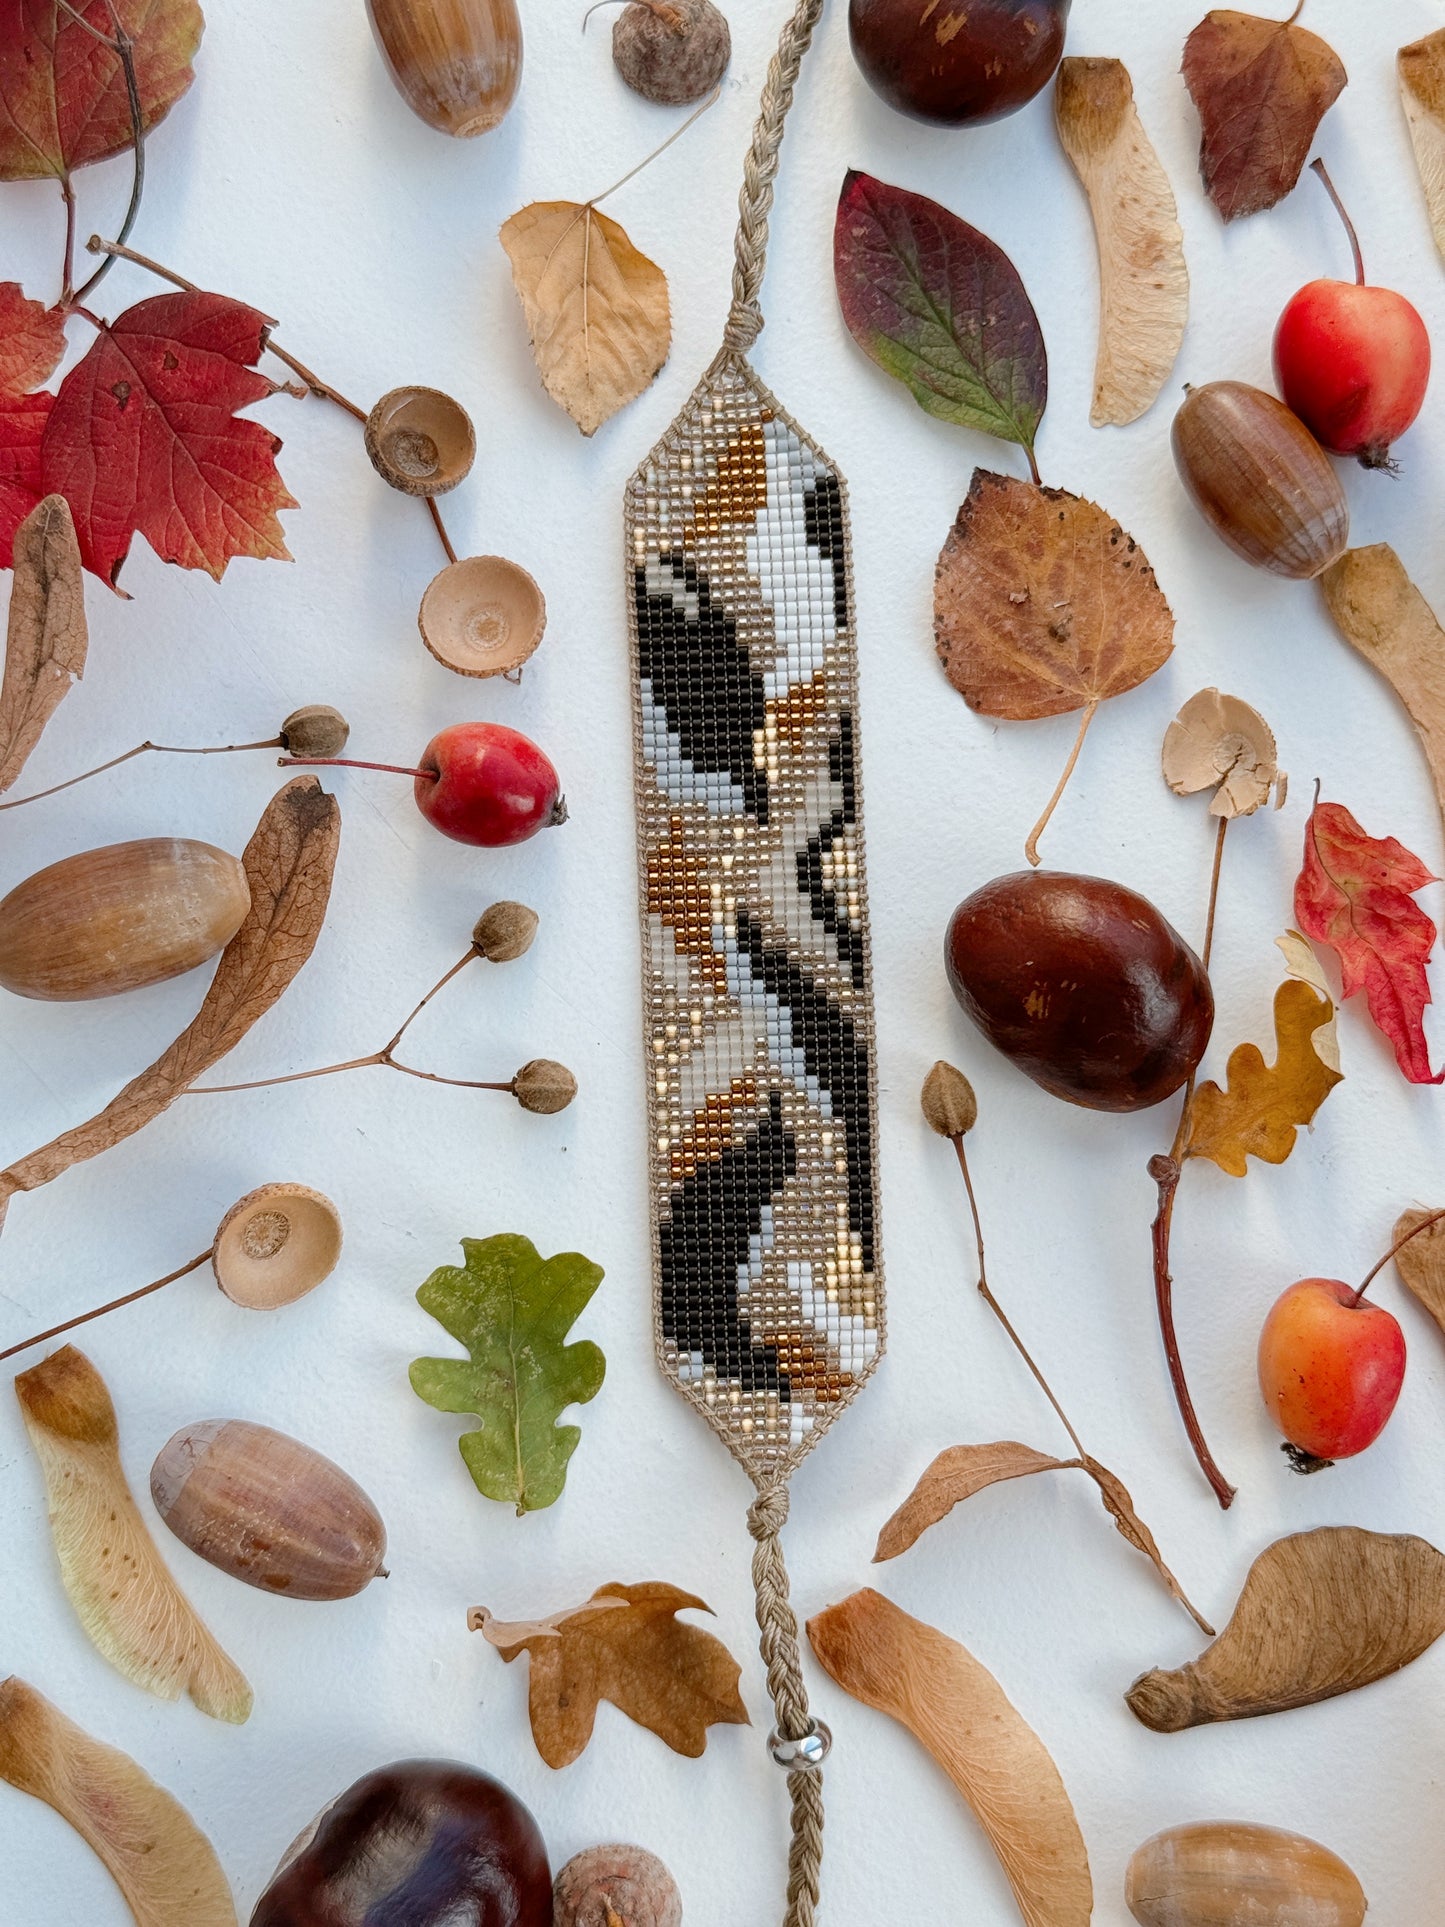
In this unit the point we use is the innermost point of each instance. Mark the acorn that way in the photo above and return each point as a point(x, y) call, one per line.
point(671, 51)
point(482, 616)
point(268, 1510)
point(120, 917)
point(456, 63)
point(1260, 479)
point(420, 441)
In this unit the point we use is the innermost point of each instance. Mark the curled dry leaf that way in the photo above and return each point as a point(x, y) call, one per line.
point(625, 1645)
point(941, 308)
point(596, 308)
point(1421, 1264)
point(955, 1708)
point(132, 1610)
point(1264, 1105)
point(1262, 87)
point(1143, 281)
point(1379, 612)
point(1320, 1614)
point(164, 1865)
point(1422, 89)
point(46, 634)
point(288, 863)
point(963, 1470)
point(1357, 894)
point(1218, 742)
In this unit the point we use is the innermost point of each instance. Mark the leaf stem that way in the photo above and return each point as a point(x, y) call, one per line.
point(1318, 167)
point(1398, 1246)
point(67, 276)
point(159, 749)
point(676, 135)
point(123, 49)
point(114, 1305)
point(1034, 475)
point(1031, 847)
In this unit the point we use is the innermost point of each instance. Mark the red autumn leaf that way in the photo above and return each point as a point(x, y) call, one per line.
point(32, 340)
point(22, 429)
point(63, 99)
point(1356, 893)
point(143, 438)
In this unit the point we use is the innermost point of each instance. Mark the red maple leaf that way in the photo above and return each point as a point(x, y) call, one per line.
point(32, 340)
point(143, 438)
point(63, 99)
point(1356, 893)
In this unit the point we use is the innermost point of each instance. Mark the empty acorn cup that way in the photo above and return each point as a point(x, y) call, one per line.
point(483, 616)
point(420, 441)
point(271, 1248)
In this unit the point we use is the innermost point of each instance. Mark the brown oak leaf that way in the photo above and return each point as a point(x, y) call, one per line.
point(1262, 87)
point(46, 635)
point(627, 1646)
point(288, 863)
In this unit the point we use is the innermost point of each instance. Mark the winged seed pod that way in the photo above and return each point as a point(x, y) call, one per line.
point(1213, 1875)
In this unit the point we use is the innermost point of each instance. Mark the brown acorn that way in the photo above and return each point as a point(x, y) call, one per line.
point(1260, 479)
point(456, 63)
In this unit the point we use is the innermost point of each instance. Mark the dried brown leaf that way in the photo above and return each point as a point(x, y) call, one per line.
point(164, 1865)
point(1262, 87)
point(1143, 280)
point(1379, 612)
point(1421, 1264)
point(1218, 742)
point(963, 1470)
point(288, 863)
point(1320, 1614)
point(46, 635)
point(596, 308)
point(132, 1610)
point(955, 1708)
point(1042, 604)
point(627, 1646)
point(1422, 89)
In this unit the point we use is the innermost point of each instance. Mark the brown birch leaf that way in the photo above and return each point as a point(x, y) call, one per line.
point(46, 634)
point(288, 863)
point(596, 307)
point(1421, 1264)
point(165, 1867)
point(956, 1709)
point(625, 1645)
point(1422, 89)
point(1262, 87)
point(1321, 1613)
point(963, 1470)
point(133, 1612)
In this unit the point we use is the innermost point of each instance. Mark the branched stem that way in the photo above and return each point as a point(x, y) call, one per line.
point(141, 749)
point(1166, 1172)
point(114, 1305)
point(1031, 848)
point(120, 44)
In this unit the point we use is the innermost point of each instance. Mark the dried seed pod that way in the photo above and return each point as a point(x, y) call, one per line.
point(456, 63)
point(420, 441)
point(505, 931)
point(671, 51)
point(316, 729)
point(268, 1510)
point(1226, 1872)
point(1219, 742)
point(1260, 479)
point(544, 1085)
point(948, 1101)
point(116, 918)
point(616, 1886)
point(276, 1244)
point(482, 616)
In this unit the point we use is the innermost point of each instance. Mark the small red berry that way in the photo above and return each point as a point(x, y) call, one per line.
point(492, 785)
point(1330, 1367)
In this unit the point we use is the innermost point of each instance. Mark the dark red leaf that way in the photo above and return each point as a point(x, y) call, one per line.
point(1356, 893)
point(63, 96)
point(143, 438)
point(32, 340)
point(22, 428)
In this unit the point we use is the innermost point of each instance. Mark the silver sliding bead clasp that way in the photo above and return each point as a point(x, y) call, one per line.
point(801, 1756)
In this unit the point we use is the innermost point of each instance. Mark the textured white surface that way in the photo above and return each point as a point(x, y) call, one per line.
point(294, 177)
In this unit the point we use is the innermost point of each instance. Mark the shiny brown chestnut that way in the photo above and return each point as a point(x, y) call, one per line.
point(957, 65)
point(1083, 985)
point(430, 1843)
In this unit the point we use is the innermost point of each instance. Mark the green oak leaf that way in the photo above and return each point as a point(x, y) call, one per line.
point(513, 1309)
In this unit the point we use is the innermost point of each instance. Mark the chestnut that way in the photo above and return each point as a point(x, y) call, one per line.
point(957, 65)
point(1082, 984)
point(427, 1843)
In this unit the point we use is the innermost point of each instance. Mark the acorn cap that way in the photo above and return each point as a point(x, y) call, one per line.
point(420, 441)
point(505, 931)
point(276, 1244)
point(482, 616)
point(316, 729)
point(544, 1085)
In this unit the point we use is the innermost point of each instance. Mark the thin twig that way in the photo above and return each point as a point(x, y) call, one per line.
point(114, 1305)
point(676, 135)
point(123, 49)
point(441, 527)
point(160, 749)
point(67, 276)
point(1031, 848)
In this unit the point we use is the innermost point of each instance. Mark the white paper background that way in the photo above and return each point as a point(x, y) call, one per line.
point(293, 177)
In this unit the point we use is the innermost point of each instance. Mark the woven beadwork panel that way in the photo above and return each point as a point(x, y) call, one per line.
point(758, 997)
